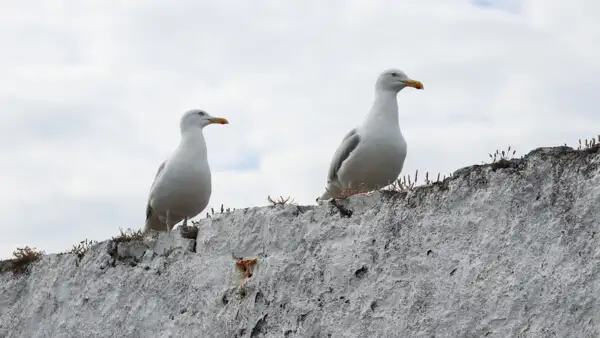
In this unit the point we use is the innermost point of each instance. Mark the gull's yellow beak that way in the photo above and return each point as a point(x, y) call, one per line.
point(413, 83)
point(218, 120)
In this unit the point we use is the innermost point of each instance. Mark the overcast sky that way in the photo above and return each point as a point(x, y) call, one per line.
point(91, 94)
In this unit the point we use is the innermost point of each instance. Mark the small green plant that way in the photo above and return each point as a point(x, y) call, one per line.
point(223, 211)
point(128, 235)
point(23, 257)
point(81, 248)
point(280, 200)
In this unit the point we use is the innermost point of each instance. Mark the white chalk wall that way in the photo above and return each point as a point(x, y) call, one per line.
point(513, 252)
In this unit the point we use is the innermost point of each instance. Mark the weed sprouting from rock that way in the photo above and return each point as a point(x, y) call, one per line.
point(281, 200)
point(190, 231)
point(500, 156)
point(409, 184)
point(223, 211)
point(587, 144)
point(501, 159)
point(23, 257)
point(128, 236)
point(81, 248)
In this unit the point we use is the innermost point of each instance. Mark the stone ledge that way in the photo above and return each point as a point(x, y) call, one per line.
point(494, 251)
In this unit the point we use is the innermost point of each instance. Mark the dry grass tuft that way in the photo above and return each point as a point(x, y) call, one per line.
point(587, 144)
point(408, 183)
point(438, 179)
point(81, 248)
point(502, 156)
point(281, 200)
point(128, 235)
point(223, 211)
point(501, 159)
point(23, 257)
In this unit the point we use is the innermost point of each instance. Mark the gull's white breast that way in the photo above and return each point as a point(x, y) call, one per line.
point(184, 187)
point(376, 162)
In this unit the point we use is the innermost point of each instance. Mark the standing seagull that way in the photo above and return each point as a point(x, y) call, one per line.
point(182, 185)
point(372, 155)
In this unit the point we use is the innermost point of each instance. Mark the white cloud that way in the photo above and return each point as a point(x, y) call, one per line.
point(93, 92)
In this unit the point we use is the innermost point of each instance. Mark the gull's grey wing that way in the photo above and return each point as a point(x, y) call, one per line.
point(160, 169)
point(349, 143)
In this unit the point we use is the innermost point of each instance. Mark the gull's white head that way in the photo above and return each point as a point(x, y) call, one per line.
point(198, 118)
point(395, 80)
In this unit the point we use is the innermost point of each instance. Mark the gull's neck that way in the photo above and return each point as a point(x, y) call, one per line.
point(193, 140)
point(384, 111)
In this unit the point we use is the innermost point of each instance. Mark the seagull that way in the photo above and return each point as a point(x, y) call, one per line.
point(182, 184)
point(372, 155)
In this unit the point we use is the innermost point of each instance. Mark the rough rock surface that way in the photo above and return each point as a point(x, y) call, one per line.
point(505, 250)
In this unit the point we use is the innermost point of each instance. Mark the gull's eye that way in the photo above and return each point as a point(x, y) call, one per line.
point(394, 74)
point(201, 113)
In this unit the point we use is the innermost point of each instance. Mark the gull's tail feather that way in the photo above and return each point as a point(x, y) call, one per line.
point(325, 196)
point(330, 192)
